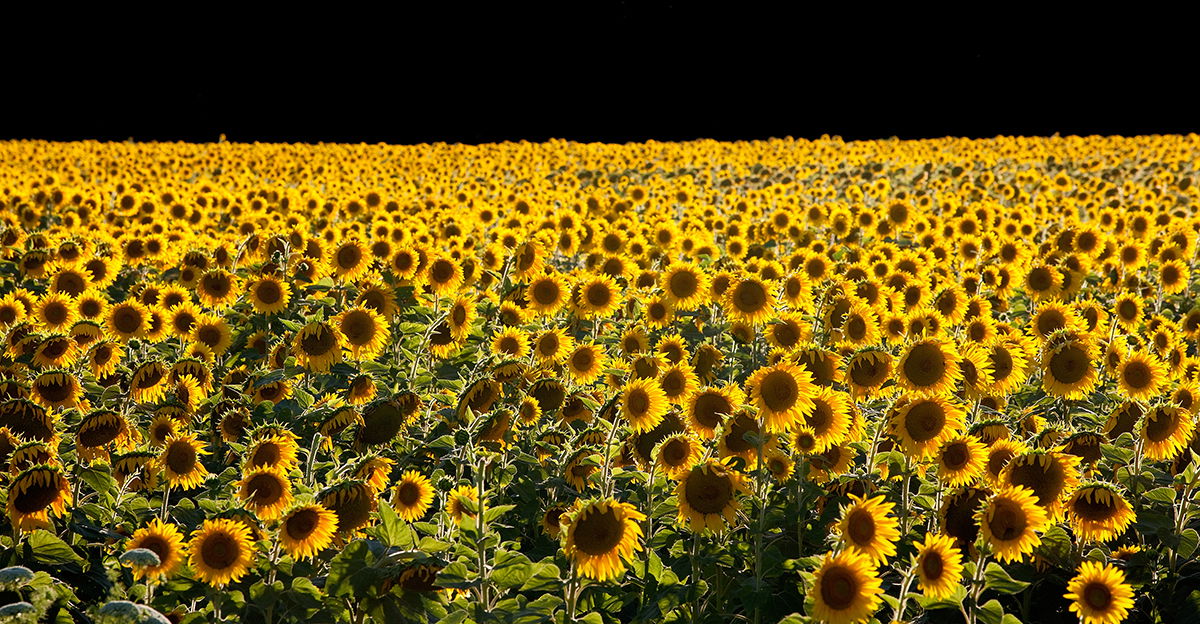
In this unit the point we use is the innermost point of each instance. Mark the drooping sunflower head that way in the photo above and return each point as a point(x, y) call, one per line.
point(37, 493)
point(1050, 475)
point(461, 501)
point(1166, 430)
point(1098, 511)
point(56, 388)
point(317, 346)
point(709, 407)
point(868, 371)
point(352, 501)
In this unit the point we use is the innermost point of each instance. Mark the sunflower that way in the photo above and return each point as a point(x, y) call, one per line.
point(12, 311)
point(749, 300)
point(678, 383)
point(685, 285)
point(349, 260)
point(1009, 361)
point(783, 394)
point(306, 530)
point(413, 495)
point(600, 536)
point(845, 588)
point(149, 382)
point(860, 327)
point(221, 551)
point(643, 404)
point(923, 424)
point(547, 294)
point(363, 331)
point(1099, 594)
point(317, 346)
point(460, 316)
point(99, 429)
point(55, 388)
point(56, 311)
point(270, 295)
point(585, 363)
point(867, 372)
point(217, 288)
point(1165, 431)
point(164, 540)
point(1098, 512)
point(135, 471)
point(180, 460)
point(511, 343)
point(1140, 376)
point(929, 367)
point(708, 496)
point(56, 351)
point(709, 407)
point(456, 504)
point(1010, 521)
point(1069, 367)
point(866, 528)
point(939, 566)
point(126, 320)
point(352, 501)
point(35, 494)
point(271, 449)
point(265, 491)
point(676, 454)
point(1050, 475)
point(553, 346)
point(961, 460)
point(829, 420)
point(597, 296)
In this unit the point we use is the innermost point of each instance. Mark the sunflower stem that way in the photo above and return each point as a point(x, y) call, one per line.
point(162, 514)
point(902, 597)
point(312, 459)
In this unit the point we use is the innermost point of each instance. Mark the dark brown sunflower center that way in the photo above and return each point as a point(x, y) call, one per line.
point(1069, 365)
point(1160, 425)
point(956, 455)
point(220, 551)
point(866, 372)
point(582, 360)
point(1137, 375)
point(359, 327)
point(1047, 482)
point(708, 408)
point(638, 402)
point(925, 365)
point(441, 272)
point(932, 565)
point(860, 527)
point(1007, 521)
point(181, 457)
point(55, 388)
point(675, 452)
point(100, 432)
point(1097, 596)
point(264, 489)
point(408, 494)
point(318, 341)
point(36, 497)
point(598, 295)
point(683, 284)
point(779, 391)
point(269, 292)
point(349, 256)
point(925, 421)
point(1095, 508)
point(749, 296)
point(302, 523)
point(707, 491)
point(127, 320)
point(839, 588)
point(548, 345)
point(599, 533)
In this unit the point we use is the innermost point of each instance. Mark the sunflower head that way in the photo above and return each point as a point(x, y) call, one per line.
point(221, 551)
point(601, 537)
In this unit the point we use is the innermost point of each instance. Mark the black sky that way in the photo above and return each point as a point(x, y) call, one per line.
point(611, 72)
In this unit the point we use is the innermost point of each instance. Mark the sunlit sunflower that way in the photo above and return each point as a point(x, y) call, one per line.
point(1140, 376)
point(553, 346)
point(1010, 522)
point(923, 424)
point(270, 295)
point(221, 551)
point(273, 450)
point(929, 367)
point(643, 404)
point(457, 501)
point(1098, 512)
point(676, 454)
point(55, 388)
point(684, 285)
point(597, 296)
point(601, 536)
point(218, 288)
point(961, 460)
point(1050, 475)
point(1069, 368)
point(55, 312)
point(511, 342)
point(363, 332)
point(265, 491)
point(317, 346)
point(867, 528)
point(1166, 430)
point(180, 461)
point(149, 382)
point(867, 372)
point(749, 300)
point(349, 260)
point(678, 383)
point(547, 294)
point(126, 320)
point(37, 493)
point(585, 363)
point(307, 530)
point(846, 588)
point(1099, 594)
point(939, 566)
point(709, 407)
point(164, 540)
point(783, 394)
point(708, 497)
point(461, 315)
point(412, 496)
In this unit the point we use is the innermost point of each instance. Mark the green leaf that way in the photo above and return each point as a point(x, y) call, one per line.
point(997, 578)
point(454, 617)
point(546, 577)
point(100, 480)
point(350, 572)
point(991, 612)
point(540, 610)
point(511, 569)
point(1161, 495)
point(953, 601)
point(45, 547)
point(392, 530)
point(457, 576)
point(1188, 540)
point(494, 513)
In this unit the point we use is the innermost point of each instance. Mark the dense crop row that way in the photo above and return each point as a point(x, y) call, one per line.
point(707, 382)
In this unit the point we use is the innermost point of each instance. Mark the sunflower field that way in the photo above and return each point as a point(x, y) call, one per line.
point(780, 381)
